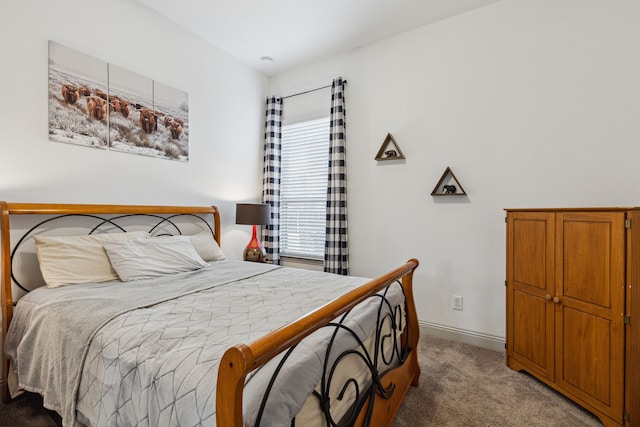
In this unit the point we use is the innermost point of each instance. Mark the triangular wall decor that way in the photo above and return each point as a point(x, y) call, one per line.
point(448, 185)
point(387, 153)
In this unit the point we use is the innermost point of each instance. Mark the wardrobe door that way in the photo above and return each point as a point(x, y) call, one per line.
point(589, 308)
point(530, 287)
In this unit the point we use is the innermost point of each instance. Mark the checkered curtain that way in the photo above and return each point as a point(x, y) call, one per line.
point(271, 177)
point(336, 250)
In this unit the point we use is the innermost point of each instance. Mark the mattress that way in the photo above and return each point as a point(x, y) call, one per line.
point(147, 352)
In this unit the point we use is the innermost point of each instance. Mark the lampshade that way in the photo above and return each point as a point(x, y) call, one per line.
point(253, 213)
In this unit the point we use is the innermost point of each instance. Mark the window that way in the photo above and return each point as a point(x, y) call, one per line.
point(303, 188)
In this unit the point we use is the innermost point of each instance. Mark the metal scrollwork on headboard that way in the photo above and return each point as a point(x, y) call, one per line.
point(155, 225)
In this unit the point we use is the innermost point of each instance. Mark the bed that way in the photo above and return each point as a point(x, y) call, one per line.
point(170, 332)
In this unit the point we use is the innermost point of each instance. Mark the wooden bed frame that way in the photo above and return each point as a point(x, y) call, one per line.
point(239, 360)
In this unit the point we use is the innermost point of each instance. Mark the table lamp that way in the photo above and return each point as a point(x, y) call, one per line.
point(254, 214)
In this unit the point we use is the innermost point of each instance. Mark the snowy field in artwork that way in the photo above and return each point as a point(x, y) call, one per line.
point(70, 122)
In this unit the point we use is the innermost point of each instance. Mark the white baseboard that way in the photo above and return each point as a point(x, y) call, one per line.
point(491, 342)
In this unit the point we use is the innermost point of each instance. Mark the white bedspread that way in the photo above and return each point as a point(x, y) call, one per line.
point(146, 353)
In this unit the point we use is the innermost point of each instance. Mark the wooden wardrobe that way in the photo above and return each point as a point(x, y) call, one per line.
point(573, 305)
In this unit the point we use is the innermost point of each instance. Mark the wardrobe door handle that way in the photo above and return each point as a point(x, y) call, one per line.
point(556, 300)
point(547, 297)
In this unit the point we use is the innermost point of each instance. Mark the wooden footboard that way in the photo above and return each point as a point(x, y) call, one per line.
point(240, 360)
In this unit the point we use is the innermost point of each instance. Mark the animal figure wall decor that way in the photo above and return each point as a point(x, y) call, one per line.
point(97, 104)
point(448, 185)
point(449, 189)
point(389, 150)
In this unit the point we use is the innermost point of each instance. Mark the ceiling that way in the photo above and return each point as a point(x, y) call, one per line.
point(294, 32)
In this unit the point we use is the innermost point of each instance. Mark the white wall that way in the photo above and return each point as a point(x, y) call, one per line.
point(532, 103)
point(225, 107)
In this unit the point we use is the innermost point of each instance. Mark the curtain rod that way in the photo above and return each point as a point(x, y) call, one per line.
point(344, 82)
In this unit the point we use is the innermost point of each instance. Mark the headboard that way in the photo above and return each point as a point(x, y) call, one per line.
point(20, 221)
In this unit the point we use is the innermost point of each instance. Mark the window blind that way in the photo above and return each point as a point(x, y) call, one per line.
point(303, 188)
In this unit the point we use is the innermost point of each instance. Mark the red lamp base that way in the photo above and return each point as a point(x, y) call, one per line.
point(255, 251)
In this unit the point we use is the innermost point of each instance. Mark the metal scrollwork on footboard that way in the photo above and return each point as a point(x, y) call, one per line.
point(386, 350)
point(351, 376)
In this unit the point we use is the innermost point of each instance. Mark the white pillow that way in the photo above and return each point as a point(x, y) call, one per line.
point(145, 258)
point(206, 246)
point(67, 260)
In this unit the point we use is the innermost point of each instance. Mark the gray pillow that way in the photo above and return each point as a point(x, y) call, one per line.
point(145, 258)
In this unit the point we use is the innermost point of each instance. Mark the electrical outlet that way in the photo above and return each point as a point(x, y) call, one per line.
point(457, 302)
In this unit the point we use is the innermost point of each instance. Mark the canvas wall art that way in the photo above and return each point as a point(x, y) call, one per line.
point(75, 79)
point(97, 104)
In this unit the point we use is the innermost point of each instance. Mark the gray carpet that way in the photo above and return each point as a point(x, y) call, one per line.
point(460, 385)
point(463, 385)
